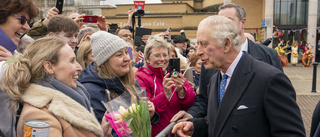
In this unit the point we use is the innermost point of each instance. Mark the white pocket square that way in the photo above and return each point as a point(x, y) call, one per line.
point(242, 107)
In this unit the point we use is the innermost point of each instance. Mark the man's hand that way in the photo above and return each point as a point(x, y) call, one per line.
point(168, 35)
point(5, 54)
point(181, 116)
point(145, 38)
point(102, 24)
point(130, 13)
point(183, 129)
point(79, 21)
point(162, 34)
point(52, 12)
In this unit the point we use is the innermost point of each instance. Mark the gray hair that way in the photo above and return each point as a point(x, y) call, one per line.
point(241, 13)
point(24, 42)
point(84, 31)
point(154, 42)
point(222, 28)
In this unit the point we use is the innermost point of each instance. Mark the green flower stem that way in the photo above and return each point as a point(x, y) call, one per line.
point(139, 121)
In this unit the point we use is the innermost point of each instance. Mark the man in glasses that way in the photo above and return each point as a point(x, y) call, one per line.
point(246, 97)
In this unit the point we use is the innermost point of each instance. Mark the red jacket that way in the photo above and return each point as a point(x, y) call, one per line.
point(151, 77)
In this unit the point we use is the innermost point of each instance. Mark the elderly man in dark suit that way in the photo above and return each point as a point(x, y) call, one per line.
point(238, 15)
point(247, 97)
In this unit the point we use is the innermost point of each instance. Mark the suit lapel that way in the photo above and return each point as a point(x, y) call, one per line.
point(240, 80)
point(253, 50)
point(214, 94)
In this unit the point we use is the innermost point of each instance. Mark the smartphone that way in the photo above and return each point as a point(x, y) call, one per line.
point(59, 5)
point(174, 65)
point(90, 19)
point(168, 30)
point(114, 26)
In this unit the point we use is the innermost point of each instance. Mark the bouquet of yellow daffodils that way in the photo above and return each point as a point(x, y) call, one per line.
point(130, 120)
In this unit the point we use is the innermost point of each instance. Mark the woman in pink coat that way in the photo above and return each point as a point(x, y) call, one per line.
point(169, 94)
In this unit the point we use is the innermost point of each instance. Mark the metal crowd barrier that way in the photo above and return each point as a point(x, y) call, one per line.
point(167, 131)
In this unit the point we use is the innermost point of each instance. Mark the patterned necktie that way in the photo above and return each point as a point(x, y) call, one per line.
point(222, 86)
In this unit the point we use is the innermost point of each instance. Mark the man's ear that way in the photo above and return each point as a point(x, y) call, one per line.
point(48, 67)
point(51, 34)
point(243, 23)
point(227, 45)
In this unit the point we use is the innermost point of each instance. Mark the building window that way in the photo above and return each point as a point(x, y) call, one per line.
point(69, 2)
point(291, 12)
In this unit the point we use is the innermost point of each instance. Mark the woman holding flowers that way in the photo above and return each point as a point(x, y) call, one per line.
point(110, 72)
point(169, 94)
point(44, 78)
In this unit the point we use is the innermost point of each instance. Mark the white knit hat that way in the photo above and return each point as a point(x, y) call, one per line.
point(104, 45)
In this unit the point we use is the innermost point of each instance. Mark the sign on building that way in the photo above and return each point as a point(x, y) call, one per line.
point(266, 23)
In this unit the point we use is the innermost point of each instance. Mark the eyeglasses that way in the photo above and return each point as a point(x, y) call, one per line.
point(157, 56)
point(23, 19)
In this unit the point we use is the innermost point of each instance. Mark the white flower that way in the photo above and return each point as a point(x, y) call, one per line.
point(118, 118)
point(123, 111)
point(133, 108)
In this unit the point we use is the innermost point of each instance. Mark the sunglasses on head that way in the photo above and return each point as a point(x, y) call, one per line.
point(23, 19)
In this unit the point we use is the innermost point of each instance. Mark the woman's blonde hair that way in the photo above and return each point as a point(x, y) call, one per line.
point(83, 53)
point(28, 67)
point(105, 71)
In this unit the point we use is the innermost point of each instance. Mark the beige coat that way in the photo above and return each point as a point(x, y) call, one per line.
point(66, 116)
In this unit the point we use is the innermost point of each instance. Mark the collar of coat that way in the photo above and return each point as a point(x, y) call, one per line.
point(62, 106)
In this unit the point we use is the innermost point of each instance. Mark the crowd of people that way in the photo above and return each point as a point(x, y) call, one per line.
point(64, 70)
point(292, 56)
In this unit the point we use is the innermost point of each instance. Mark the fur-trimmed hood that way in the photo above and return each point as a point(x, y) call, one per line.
point(62, 106)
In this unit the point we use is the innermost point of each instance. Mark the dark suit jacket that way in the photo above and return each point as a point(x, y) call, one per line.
point(270, 99)
point(266, 42)
point(257, 51)
point(315, 126)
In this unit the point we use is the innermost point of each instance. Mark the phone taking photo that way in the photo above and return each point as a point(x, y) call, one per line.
point(114, 26)
point(90, 19)
point(168, 30)
point(59, 6)
point(174, 65)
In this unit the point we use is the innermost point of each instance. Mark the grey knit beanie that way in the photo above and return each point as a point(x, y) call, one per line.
point(104, 45)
